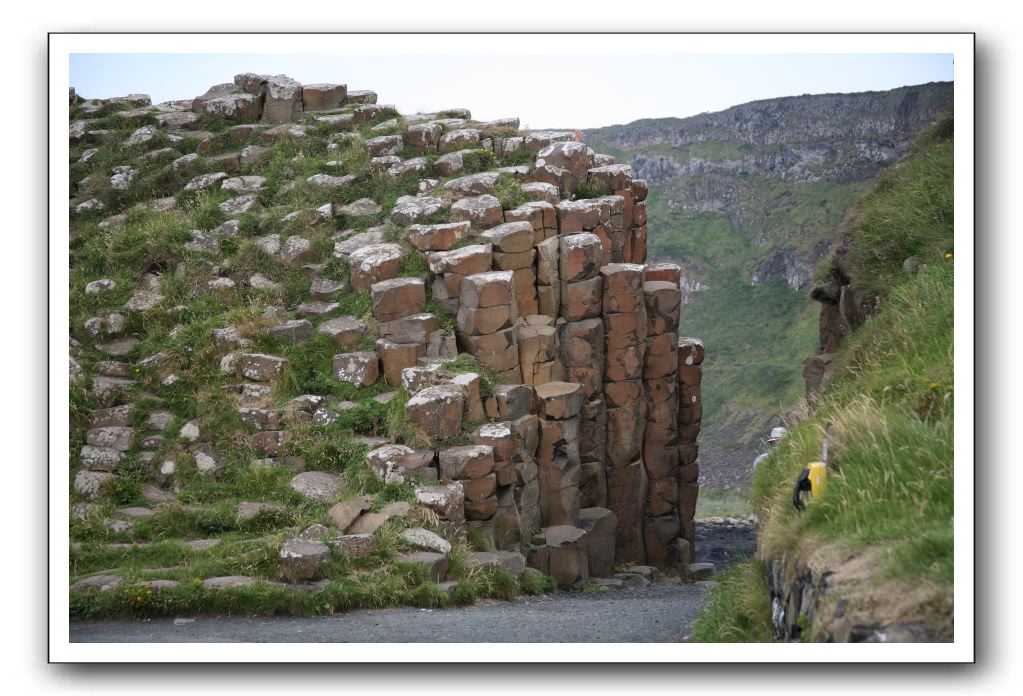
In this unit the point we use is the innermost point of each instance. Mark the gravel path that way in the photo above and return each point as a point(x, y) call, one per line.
point(660, 612)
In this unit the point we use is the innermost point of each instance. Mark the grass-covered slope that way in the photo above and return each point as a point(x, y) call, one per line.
point(884, 521)
point(154, 235)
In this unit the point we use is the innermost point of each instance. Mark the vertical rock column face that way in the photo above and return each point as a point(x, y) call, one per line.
point(624, 326)
point(473, 467)
point(539, 359)
point(450, 267)
point(487, 322)
point(514, 251)
point(690, 411)
point(560, 404)
point(542, 297)
point(404, 329)
point(505, 530)
point(661, 523)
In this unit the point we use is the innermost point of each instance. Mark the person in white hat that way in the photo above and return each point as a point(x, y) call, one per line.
point(777, 434)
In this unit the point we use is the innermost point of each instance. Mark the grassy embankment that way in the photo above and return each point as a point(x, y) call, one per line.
point(888, 413)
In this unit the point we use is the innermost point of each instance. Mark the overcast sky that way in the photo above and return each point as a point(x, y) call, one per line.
point(543, 90)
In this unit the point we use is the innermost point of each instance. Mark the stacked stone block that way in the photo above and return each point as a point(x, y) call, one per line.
point(690, 411)
point(473, 467)
point(513, 250)
point(539, 361)
point(487, 322)
point(404, 328)
point(450, 267)
point(660, 452)
point(625, 328)
point(559, 405)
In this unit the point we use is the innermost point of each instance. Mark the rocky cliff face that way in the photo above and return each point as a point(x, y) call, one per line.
point(753, 196)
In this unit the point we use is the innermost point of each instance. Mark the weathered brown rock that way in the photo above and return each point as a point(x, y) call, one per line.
point(361, 368)
point(580, 257)
point(559, 400)
point(438, 237)
point(660, 357)
point(395, 357)
point(437, 410)
point(581, 300)
point(662, 306)
point(346, 512)
point(481, 211)
point(664, 272)
point(690, 352)
point(375, 263)
point(623, 288)
point(323, 96)
point(344, 332)
point(397, 298)
point(567, 553)
point(600, 525)
point(625, 493)
point(447, 500)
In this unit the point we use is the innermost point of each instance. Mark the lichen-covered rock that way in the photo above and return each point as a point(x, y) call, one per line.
point(375, 263)
point(481, 211)
point(302, 558)
point(319, 486)
point(437, 410)
point(345, 332)
point(204, 181)
point(397, 298)
point(361, 368)
point(425, 539)
point(260, 367)
point(409, 210)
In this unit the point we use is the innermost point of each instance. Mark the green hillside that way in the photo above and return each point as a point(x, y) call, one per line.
point(883, 524)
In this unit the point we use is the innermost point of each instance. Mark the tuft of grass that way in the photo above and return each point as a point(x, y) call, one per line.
point(738, 609)
point(509, 191)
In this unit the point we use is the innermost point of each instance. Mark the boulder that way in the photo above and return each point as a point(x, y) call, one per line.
point(447, 500)
point(374, 263)
point(361, 368)
point(302, 558)
point(319, 486)
point(323, 96)
point(260, 367)
point(343, 514)
point(282, 99)
point(409, 210)
point(354, 545)
point(435, 564)
point(437, 410)
point(480, 211)
point(292, 331)
point(425, 539)
point(397, 298)
point(559, 400)
point(345, 332)
point(438, 237)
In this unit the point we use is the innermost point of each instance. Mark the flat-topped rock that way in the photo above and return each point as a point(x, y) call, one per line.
point(559, 400)
point(291, 331)
point(243, 184)
point(480, 211)
point(344, 248)
point(97, 582)
point(345, 332)
point(343, 514)
point(361, 368)
point(510, 237)
point(409, 210)
point(361, 208)
point(228, 582)
point(319, 486)
point(397, 298)
point(425, 539)
point(439, 237)
point(261, 367)
point(302, 558)
point(374, 263)
point(437, 410)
